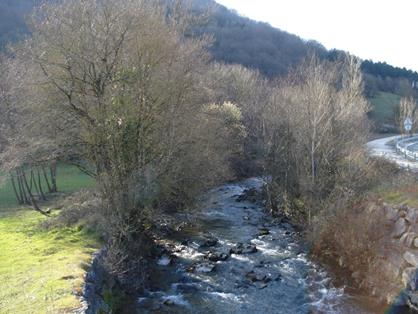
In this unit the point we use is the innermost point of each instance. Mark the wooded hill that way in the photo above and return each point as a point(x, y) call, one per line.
point(238, 39)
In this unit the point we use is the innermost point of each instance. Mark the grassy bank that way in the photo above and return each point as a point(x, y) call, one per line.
point(69, 179)
point(407, 195)
point(384, 108)
point(41, 271)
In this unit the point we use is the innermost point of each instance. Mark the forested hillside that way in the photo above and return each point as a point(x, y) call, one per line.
point(256, 45)
point(237, 39)
point(12, 19)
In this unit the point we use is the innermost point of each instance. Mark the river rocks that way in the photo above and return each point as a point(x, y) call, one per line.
point(391, 213)
point(411, 258)
point(413, 300)
point(241, 248)
point(408, 238)
point(258, 280)
point(216, 256)
point(411, 215)
point(253, 276)
point(168, 302)
point(408, 275)
point(415, 243)
point(393, 264)
point(202, 267)
point(208, 242)
point(263, 231)
point(250, 195)
point(399, 228)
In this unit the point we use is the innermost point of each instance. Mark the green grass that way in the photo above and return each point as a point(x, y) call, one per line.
point(40, 270)
point(384, 107)
point(404, 194)
point(69, 179)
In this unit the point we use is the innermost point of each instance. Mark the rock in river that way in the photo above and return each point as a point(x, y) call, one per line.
point(203, 267)
point(263, 231)
point(216, 256)
point(241, 248)
point(209, 242)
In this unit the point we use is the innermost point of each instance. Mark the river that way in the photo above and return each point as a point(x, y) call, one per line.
point(278, 278)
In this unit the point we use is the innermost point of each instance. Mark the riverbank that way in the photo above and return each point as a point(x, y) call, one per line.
point(41, 271)
point(42, 268)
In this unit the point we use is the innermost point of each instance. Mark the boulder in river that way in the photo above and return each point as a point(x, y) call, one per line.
point(242, 248)
point(263, 231)
point(202, 267)
point(217, 256)
point(253, 276)
point(208, 242)
point(250, 195)
point(257, 279)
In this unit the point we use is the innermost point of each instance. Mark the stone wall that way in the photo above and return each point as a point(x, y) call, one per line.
point(92, 299)
point(399, 257)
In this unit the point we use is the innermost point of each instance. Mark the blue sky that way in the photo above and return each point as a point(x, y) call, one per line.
point(385, 30)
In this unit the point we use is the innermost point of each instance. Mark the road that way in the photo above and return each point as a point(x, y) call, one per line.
point(385, 147)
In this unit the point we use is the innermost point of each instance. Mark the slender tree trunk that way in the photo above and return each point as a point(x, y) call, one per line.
point(22, 186)
point(31, 179)
point(40, 185)
point(18, 196)
point(32, 198)
point(53, 170)
point(46, 179)
point(35, 184)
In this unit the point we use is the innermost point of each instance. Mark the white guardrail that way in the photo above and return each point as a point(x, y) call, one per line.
point(404, 146)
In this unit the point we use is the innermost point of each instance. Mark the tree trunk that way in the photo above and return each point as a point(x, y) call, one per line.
point(18, 196)
point(46, 180)
point(32, 198)
point(53, 170)
point(40, 185)
point(22, 186)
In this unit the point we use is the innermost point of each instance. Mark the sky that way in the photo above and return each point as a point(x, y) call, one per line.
point(381, 30)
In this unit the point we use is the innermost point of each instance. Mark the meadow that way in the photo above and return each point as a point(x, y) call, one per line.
point(41, 270)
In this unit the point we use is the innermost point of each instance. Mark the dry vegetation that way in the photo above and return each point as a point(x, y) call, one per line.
point(123, 93)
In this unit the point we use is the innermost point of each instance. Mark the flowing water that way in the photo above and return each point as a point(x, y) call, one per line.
point(277, 278)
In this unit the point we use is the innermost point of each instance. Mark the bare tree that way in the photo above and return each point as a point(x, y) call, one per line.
point(117, 90)
point(407, 109)
point(315, 119)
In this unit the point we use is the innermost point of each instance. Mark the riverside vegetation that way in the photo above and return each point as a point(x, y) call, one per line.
point(126, 95)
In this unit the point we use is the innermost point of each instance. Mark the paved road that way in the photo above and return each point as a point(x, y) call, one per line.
point(385, 147)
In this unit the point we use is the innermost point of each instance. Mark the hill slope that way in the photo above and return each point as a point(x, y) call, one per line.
point(253, 44)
